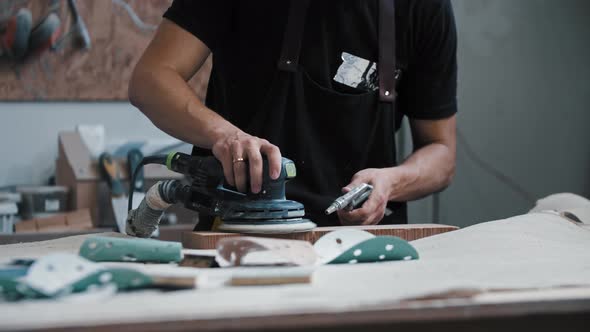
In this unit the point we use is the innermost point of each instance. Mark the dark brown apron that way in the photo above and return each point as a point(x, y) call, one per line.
point(329, 135)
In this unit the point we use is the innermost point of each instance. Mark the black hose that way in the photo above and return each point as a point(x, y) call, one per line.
point(158, 159)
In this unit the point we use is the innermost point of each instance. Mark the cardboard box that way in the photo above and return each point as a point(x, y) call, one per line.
point(76, 169)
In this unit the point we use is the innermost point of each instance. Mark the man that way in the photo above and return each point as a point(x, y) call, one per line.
point(283, 83)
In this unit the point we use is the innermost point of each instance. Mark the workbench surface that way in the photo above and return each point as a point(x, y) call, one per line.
point(530, 271)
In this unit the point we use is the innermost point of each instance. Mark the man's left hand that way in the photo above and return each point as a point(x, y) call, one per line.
point(372, 211)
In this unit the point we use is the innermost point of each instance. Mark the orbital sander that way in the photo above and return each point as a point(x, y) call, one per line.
point(266, 212)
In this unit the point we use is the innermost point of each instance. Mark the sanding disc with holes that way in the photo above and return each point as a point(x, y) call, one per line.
point(356, 246)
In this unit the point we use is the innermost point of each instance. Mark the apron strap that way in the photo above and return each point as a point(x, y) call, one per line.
point(293, 36)
point(386, 64)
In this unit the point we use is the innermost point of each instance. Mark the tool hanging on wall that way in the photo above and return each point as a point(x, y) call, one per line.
point(266, 212)
point(19, 39)
point(15, 33)
point(45, 34)
point(78, 33)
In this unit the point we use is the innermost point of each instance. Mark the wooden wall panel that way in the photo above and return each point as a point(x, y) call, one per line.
point(101, 73)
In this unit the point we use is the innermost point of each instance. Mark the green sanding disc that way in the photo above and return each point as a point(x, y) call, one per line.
point(123, 279)
point(13, 290)
point(112, 249)
point(377, 249)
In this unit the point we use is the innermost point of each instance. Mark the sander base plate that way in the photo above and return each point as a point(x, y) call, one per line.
point(271, 226)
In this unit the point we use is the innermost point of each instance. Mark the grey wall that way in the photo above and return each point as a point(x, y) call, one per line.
point(524, 96)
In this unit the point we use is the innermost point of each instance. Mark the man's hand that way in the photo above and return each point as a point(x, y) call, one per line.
point(237, 151)
point(372, 211)
point(429, 169)
point(159, 89)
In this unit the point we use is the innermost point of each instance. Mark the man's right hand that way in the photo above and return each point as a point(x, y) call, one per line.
point(158, 88)
point(238, 151)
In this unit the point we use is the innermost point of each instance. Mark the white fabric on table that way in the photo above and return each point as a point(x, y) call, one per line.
point(536, 250)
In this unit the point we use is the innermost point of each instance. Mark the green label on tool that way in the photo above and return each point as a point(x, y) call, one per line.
point(291, 170)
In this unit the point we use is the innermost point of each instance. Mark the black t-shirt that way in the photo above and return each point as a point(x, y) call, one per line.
point(246, 37)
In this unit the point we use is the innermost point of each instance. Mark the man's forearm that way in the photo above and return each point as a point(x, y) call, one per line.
point(169, 102)
point(428, 170)
point(159, 89)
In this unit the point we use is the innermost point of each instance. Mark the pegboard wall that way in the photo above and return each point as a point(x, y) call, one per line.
point(119, 32)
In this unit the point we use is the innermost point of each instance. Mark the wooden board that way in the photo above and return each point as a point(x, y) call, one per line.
point(78, 220)
point(100, 73)
point(208, 240)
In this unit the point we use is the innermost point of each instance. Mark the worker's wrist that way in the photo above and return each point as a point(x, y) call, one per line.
point(400, 179)
point(222, 132)
point(213, 128)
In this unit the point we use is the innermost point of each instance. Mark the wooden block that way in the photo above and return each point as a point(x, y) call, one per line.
point(208, 240)
point(203, 240)
point(52, 222)
point(265, 281)
point(72, 221)
point(26, 226)
point(79, 219)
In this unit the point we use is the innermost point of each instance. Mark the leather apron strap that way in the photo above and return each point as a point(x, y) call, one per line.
point(293, 36)
point(387, 62)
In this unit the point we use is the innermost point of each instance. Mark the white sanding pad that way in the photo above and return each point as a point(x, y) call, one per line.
point(302, 225)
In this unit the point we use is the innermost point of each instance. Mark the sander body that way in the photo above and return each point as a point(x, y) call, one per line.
point(267, 212)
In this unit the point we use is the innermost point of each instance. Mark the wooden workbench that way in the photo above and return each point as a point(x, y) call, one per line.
point(498, 276)
point(542, 314)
